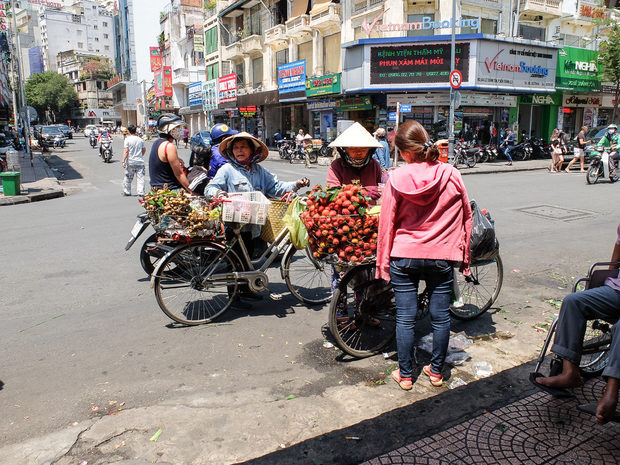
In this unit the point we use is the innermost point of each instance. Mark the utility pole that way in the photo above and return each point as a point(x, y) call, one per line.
point(146, 111)
point(452, 91)
point(22, 94)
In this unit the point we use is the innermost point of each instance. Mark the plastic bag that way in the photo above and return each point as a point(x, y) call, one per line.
point(296, 227)
point(483, 244)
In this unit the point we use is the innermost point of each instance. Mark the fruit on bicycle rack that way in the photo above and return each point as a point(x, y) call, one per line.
point(338, 224)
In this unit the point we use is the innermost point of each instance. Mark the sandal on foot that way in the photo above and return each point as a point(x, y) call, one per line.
point(436, 380)
point(404, 383)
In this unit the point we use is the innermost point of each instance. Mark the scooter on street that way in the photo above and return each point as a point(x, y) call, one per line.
point(105, 151)
point(93, 141)
point(599, 166)
point(59, 142)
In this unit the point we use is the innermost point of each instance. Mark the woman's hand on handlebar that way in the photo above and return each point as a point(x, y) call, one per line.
point(303, 182)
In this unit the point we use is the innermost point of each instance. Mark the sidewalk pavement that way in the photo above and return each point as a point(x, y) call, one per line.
point(37, 182)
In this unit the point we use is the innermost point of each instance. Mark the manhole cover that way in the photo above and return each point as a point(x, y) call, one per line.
point(556, 213)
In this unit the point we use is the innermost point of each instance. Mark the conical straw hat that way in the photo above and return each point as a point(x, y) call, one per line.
point(355, 136)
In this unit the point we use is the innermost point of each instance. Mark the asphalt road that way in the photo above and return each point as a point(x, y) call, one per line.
point(81, 329)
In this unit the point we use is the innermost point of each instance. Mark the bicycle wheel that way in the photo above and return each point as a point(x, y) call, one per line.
point(595, 350)
point(480, 290)
point(362, 313)
point(308, 279)
point(194, 283)
point(313, 157)
point(152, 252)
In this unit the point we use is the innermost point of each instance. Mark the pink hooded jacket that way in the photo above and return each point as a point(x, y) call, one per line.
point(425, 213)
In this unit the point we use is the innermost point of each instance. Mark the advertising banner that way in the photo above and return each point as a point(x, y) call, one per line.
point(578, 70)
point(227, 88)
point(515, 67)
point(159, 82)
point(155, 54)
point(292, 77)
point(354, 104)
point(323, 85)
point(416, 63)
point(209, 95)
point(195, 94)
point(542, 99)
point(167, 81)
point(581, 101)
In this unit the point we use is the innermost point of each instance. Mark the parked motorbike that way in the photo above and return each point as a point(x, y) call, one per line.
point(599, 166)
point(152, 249)
point(59, 142)
point(93, 141)
point(540, 149)
point(285, 149)
point(522, 151)
point(466, 154)
point(105, 151)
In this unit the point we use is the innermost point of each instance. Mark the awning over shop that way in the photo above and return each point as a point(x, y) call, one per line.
point(320, 6)
point(232, 7)
point(258, 98)
point(299, 8)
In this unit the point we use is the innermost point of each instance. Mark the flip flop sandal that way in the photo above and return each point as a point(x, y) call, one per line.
point(405, 383)
point(436, 380)
point(591, 409)
point(555, 392)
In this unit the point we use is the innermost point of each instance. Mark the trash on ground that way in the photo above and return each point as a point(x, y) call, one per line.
point(456, 354)
point(292, 396)
point(386, 355)
point(328, 345)
point(456, 382)
point(482, 369)
point(457, 358)
point(491, 336)
point(155, 437)
point(353, 438)
point(460, 342)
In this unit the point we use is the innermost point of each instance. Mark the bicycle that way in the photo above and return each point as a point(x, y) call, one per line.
point(196, 283)
point(361, 300)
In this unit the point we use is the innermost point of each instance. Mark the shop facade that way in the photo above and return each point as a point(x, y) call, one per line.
point(292, 98)
point(321, 93)
point(414, 72)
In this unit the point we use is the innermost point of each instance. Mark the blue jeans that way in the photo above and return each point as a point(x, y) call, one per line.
point(508, 151)
point(406, 274)
point(597, 303)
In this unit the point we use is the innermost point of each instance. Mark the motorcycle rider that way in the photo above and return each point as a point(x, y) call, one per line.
point(611, 139)
point(219, 132)
point(165, 166)
point(104, 137)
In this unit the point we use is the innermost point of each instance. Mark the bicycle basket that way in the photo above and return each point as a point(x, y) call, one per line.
point(246, 207)
point(275, 220)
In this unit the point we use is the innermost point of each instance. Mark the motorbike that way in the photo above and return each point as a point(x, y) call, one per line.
point(599, 166)
point(93, 141)
point(152, 249)
point(59, 142)
point(522, 151)
point(105, 150)
point(465, 154)
point(539, 148)
point(285, 149)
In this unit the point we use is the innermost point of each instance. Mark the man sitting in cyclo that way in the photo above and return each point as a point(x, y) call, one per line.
point(597, 303)
point(244, 174)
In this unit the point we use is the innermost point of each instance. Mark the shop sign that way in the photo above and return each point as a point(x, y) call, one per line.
point(227, 88)
point(209, 95)
point(578, 70)
point(159, 82)
point(248, 112)
point(427, 24)
point(323, 85)
point(416, 63)
point(467, 98)
point(167, 81)
point(195, 94)
point(292, 77)
point(46, 3)
point(321, 105)
point(590, 115)
point(541, 99)
point(155, 54)
point(608, 101)
point(4, 26)
point(581, 101)
point(509, 66)
point(199, 41)
point(354, 104)
point(150, 95)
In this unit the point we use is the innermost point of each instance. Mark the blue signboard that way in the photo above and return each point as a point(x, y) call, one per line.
point(392, 116)
point(292, 77)
point(405, 108)
point(195, 94)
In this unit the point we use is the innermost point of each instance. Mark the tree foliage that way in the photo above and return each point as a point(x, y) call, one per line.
point(96, 69)
point(51, 92)
point(610, 57)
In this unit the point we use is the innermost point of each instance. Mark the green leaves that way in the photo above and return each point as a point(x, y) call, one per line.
point(52, 92)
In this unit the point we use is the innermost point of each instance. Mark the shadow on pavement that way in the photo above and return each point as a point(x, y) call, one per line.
point(1, 385)
point(62, 168)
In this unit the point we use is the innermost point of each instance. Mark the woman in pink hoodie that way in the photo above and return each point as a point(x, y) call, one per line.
point(424, 231)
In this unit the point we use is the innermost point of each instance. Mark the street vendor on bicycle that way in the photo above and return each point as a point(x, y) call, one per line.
point(356, 147)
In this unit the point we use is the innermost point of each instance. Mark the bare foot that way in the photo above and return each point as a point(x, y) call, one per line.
point(606, 407)
point(562, 381)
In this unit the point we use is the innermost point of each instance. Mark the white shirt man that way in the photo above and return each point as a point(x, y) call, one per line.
point(133, 162)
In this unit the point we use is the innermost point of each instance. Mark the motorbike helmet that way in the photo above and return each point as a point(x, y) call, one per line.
point(355, 136)
point(169, 123)
point(221, 131)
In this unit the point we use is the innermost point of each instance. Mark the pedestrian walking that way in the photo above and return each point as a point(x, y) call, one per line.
point(306, 146)
point(578, 150)
point(185, 136)
point(509, 144)
point(424, 231)
point(382, 154)
point(557, 157)
point(133, 162)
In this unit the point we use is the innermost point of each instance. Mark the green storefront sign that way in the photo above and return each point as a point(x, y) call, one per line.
point(540, 99)
point(578, 70)
point(354, 104)
point(323, 85)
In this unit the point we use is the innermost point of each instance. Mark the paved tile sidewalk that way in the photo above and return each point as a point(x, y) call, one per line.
point(538, 429)
point(37, 182)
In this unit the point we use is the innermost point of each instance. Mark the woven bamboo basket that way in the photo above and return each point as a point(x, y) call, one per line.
point(275, 220)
